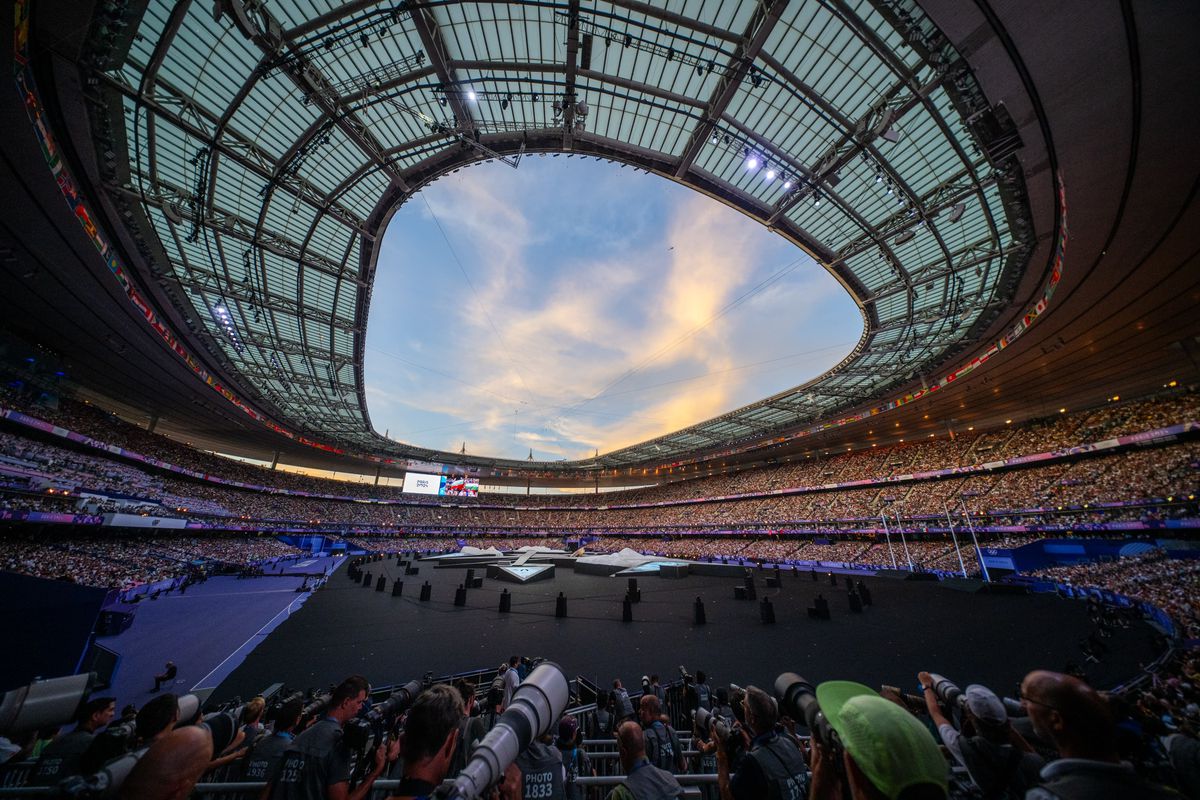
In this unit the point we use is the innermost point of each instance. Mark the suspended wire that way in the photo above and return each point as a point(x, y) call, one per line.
point(482, 307)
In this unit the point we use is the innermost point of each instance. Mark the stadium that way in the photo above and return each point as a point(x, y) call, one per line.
point(777, 368)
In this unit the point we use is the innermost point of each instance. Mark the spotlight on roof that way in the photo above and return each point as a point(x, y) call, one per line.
point(787, 186)
point(957, 211)
point(471, 95)
point(770, 175)
point(752, 162)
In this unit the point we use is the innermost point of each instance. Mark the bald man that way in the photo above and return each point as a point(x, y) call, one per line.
point(170, 768)
point(1072, 715)
point(643, 780)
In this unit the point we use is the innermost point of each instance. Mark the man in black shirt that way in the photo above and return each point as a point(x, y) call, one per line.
point(430, 736)
point(66, 754)
point(166, 676)
point(317, 764)
point(773, 768)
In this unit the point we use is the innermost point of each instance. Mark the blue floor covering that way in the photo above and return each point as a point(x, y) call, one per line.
point(207, 631)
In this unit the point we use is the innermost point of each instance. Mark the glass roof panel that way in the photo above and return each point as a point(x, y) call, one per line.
point(650, 78)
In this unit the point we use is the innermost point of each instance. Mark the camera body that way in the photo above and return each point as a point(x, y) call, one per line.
point(727, 731)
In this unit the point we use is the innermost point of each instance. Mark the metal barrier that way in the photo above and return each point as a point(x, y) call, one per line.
point(247, 790)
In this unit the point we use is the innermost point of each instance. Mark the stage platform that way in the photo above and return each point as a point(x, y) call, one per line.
point(346, 628)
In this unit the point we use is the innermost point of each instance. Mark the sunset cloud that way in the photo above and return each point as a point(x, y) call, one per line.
point(570, 306)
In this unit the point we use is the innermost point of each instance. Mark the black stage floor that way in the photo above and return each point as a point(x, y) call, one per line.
point(982, 638)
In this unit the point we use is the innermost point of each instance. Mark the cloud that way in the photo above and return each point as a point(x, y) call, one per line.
point(576, 331)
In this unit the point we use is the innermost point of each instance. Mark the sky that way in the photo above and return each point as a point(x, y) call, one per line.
point(572, 306)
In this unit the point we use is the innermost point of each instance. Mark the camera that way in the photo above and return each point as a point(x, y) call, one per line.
point(317, 705)
point(687, 676)
point(536, 706)
point(798, 699)
point(223, 726)
point(728, 732)
point(947, 691)
point(43, 704)
point(365, 732)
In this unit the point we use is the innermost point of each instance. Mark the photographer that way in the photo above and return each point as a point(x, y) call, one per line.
point(703, 693)
point(601, 724)
point(998, 761)
point(622, 705)
point(429, 739)
point(662, 743)
point(576, 763)
point(772, 767)
point(317, 764)
point(1076, 718)
point(656, 689)
point(881, 750)
point(66, 754)
point(471, 729)
point(643, 780)
point(265, 754)
point(542, 772)
point(705, 762)
point(512, 678)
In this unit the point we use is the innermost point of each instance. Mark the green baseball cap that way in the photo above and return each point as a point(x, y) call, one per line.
point(887, 743)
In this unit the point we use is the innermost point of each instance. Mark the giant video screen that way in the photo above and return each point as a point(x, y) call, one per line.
point(449, 486)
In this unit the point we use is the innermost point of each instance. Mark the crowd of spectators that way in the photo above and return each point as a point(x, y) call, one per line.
point(964, 448)
point(1168, 583)
point(125, 560)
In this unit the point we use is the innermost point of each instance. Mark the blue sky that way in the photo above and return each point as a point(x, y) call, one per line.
point(572, 305)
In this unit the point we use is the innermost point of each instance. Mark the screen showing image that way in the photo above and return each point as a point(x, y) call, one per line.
point(460, 486)
point(419, 483)
point(450, 486)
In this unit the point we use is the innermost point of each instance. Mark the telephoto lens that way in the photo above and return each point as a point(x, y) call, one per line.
point(535, 709)
point(703, 718)
point(798, 699)
point(398, 702)
point(43, 704)
point(947, 692)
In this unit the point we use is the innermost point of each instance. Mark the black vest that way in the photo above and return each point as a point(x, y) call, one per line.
point(541, 773)
point(660, 746)
point(704, 696)
point(783, 768)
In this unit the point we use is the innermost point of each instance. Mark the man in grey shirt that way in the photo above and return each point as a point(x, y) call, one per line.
point(512, 679)
point(317, 764)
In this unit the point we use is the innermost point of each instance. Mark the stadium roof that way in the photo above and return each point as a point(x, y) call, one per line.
point(248, 161)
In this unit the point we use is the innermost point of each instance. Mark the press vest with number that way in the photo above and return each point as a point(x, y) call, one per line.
point(704, 696)
point(783, 767)
point(541, 773)
point(660, 746)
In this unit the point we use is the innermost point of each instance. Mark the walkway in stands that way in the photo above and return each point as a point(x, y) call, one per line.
point(207, 631)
